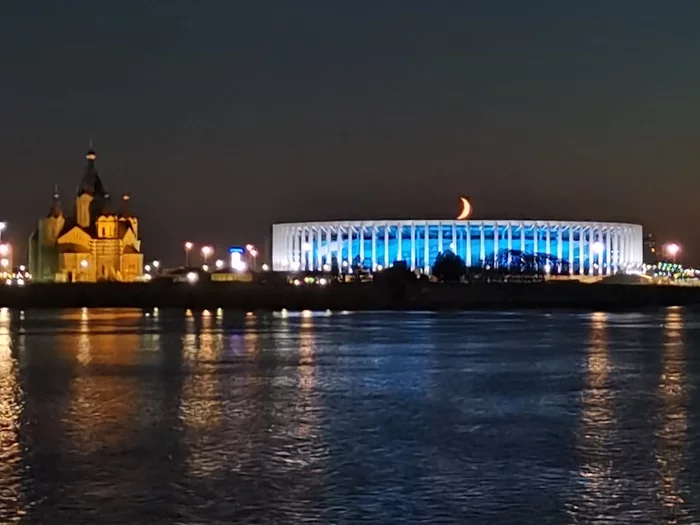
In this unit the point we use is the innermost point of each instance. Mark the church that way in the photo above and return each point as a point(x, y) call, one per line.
point(93, 243)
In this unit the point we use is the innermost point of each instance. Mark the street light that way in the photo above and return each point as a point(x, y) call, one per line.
point(219, 264)
point(254, 254)
point(3, 226)
point(156, 265)
point(672, 250)
point(188, 248)
point(206, 252)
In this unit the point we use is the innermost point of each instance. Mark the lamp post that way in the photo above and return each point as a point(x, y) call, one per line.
point(3, 227)
point(188, 248)
point(206, 252)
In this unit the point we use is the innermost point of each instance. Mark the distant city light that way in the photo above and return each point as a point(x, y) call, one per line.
point(4, 263)
point(265, 267)
point(205, 267)
point(84, 263)
point(147, 267)
point(156, 264)
point(4, 249)
point(3, 226)
point(219, 263)
point(326, 267)
point(192, 277)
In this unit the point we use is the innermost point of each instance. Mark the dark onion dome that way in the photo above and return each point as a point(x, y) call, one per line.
point(91, 182)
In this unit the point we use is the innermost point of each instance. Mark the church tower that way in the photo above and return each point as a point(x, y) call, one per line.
point(91, 194)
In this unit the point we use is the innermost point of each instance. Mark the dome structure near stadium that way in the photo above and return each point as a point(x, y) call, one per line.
point(574, 248)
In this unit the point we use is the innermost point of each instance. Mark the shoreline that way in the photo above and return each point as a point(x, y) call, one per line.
point(350, 296)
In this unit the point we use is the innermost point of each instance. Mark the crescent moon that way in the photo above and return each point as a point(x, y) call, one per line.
point(466, 209)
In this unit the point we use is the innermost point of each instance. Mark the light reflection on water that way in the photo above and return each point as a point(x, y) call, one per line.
point(124, 416)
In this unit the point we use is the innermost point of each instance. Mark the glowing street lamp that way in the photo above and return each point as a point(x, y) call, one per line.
point(206, 253)
point(188, 248)
point(219, 264)
point(4, 263)
point(672, 250)
point(3, 227)
point(4, 249)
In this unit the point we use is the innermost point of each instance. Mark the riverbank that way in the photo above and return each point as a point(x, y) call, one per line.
point(366, 296)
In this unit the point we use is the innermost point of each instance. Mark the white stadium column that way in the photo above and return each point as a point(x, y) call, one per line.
point(454, 247)
point(362, 245)
point(591, 252)
point(495, 245)
point(560, 246)
point(548, 239)
point(482, 245)
point(440, 246)
point(414, 264)
point(535, 238)
point(399, 242)
point(510, 243)
point(468, 234)
point(581, 253)
point(374, 247)
point(350, 254)
point(522, 237)
point(571, 249)
point(386, 245)
point(426, 250)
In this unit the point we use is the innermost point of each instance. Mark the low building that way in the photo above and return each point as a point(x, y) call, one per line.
point(93, 243)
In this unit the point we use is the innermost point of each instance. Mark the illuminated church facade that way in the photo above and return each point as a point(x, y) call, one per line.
point(92, 243)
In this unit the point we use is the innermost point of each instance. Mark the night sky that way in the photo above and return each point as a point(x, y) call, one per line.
point(221, 118)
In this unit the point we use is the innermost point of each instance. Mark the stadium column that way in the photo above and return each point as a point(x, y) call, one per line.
point(469, 243)
point(362, 245)
point(482, 245)
point(350, 255)
point(414, 264)
point(454, 239)
point(581, 252)
point(571, 249)
point(560, 247)
point(591, 252)
point(329, 244)
point(535, 238)
point(608, 247)
point(374, 247)
point(548, 239)
point(440, 247)
point(319, 244)
point(522, 238)
point(426, 250)
point(399, 242)
point(386, 245)
point(495, 245)
point(510, 243)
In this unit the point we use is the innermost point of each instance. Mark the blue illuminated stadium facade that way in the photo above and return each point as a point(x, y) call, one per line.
point(577, 248)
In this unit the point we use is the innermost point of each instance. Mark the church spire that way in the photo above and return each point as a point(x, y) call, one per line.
point(91, 182)
point(56, 210)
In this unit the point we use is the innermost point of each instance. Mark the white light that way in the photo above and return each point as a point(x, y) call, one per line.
point(20, 282)
point(3, 225)
point(147, 277)
point(598, 247)
point(22, 267)
point(192, 277)
point(147, 267)
point(322, 281)
point(265, 268)
point(345, 264)
point(84, 263)
point(452, 246)
point(4, 263)
point(296, 265)
point(205, 267)
point(326, 267)
point(547, 268)
point(188, 246)
point(379, 267)
point(296, 282)
point(306, 247)
point(253, 253)
point(4, 249)
point(156, 264)
point(8, 282)
point(237, 262)
point(219, 263)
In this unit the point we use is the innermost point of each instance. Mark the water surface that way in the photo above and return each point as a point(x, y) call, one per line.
point(124, 416)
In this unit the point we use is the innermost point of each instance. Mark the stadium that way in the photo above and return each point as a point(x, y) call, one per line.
point(564, 247)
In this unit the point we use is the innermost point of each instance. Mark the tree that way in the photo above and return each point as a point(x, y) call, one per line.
point(449, 267)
